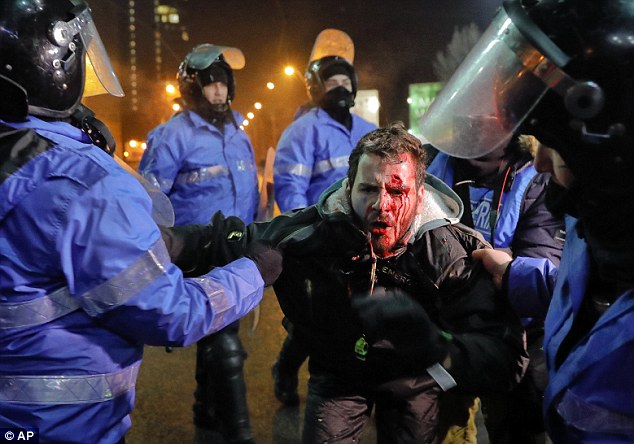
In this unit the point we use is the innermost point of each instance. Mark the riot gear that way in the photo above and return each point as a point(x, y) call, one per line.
point(563, 71)
point(206, 64)
point(332, 53)
point(566, 65)
point(320, 70)
point(42, 70)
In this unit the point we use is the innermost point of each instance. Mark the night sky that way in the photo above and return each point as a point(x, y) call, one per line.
point(395, 43)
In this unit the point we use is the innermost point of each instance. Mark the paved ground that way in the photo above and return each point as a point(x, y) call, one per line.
point(166, 385)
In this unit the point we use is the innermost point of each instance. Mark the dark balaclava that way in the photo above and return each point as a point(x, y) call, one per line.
point(216, 114)
point(338, 101)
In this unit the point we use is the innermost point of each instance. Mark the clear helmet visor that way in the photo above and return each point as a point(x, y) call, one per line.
point(332, 42)
point(162, 210)
point(489, 96)
point(204, 55)
point(98, 67)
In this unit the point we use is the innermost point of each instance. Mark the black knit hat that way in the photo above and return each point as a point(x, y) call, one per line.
point(214, 73)
point(334, 69)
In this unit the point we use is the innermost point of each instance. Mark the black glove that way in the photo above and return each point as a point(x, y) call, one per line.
point(394, 316)
point(196, 249)
point(228, 239)
point(268, 260)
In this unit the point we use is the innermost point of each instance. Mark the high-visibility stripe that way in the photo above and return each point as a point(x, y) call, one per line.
point(128, 282)
point(330, 164)
point(37, 311)
point(202, 174)
point(323, 166)
point(53, 389)
point(111, 293)
point(582, 415)
point(297, 169)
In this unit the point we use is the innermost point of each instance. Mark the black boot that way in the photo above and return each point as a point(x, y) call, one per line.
point(284, 371)
point(221, 415)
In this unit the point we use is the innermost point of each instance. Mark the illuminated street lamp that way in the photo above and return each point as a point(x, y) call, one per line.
point(170, 89)
point(257, 105)
point(176, 107)
point(289, 70)
point(250, 115)
point(270, 85)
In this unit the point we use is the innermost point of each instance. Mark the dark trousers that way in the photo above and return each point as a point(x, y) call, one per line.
point(516, 417)
point(220, 398)
point(294, 351)
point(337, 411)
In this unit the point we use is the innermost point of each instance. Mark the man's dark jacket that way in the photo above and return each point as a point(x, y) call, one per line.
point(327, 261)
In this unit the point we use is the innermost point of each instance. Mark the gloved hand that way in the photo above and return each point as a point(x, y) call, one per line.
point(268, 260)
point(197, 248)
point(227, 237)
point(396, 317)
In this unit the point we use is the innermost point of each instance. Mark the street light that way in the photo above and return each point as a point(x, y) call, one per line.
point(170, 89)
point(289, 70)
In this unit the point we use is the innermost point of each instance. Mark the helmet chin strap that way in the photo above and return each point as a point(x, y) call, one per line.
point(14, 103)
point(84, 119)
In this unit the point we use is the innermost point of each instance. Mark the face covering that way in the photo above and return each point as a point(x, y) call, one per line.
point(337, 103)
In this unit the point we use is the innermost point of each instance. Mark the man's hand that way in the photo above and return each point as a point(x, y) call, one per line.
point(268, 260)
point(396, 317)
point(495, 262)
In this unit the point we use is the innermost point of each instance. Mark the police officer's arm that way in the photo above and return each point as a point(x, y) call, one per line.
point(161, 160)
point(528, 280)
point(293, 167)
point(119, 271)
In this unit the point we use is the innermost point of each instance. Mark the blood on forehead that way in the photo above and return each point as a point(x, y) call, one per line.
point(395, 182)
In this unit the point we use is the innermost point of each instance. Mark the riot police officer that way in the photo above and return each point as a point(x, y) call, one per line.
point(85, 276)
point(563, 70)
point(205, 163)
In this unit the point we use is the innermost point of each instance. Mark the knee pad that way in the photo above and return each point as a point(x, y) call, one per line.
point(222, 352)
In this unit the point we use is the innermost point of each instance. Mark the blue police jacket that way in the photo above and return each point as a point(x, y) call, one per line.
point(590, 396)
point(201, 169)
point(85, 281)
point(311, 155)
point(524, 226)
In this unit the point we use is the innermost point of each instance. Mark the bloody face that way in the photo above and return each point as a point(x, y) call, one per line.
point(385, 200)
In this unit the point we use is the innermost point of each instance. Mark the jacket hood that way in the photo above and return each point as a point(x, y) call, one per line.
point(441, 205)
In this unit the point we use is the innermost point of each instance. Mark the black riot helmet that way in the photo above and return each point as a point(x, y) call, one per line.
point(562, 70)
point(43, 63)
point(320, 70)
point(205, 64)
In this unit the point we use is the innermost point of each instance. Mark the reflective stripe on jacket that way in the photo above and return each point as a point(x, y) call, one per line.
point(590, 396)
point(85, 281)
point(311, 155)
